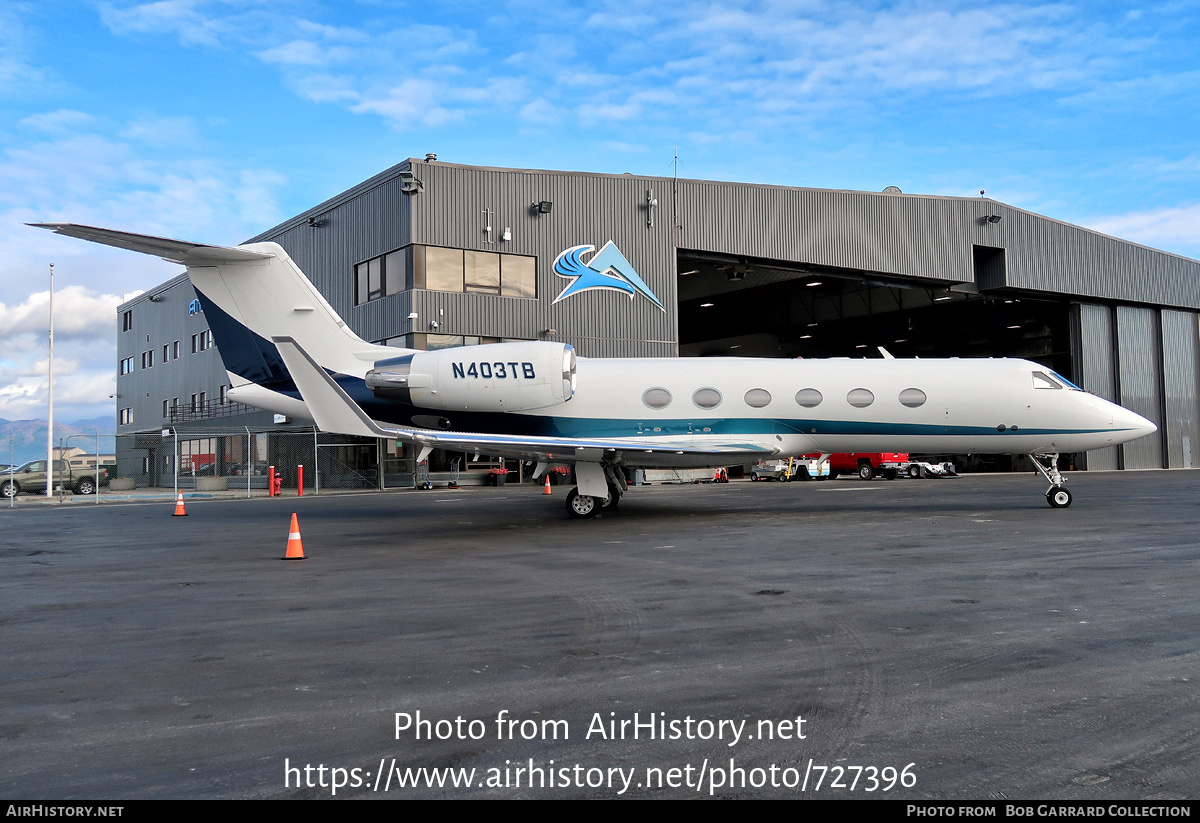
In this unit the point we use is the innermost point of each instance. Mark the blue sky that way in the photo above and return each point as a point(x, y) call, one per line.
point(212, 120)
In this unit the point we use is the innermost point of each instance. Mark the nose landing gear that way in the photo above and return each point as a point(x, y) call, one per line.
point(1058, 496)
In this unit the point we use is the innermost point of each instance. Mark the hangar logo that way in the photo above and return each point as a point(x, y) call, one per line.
point(607, 269)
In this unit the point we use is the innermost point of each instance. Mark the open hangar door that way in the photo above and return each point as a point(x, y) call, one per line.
point(747, 307)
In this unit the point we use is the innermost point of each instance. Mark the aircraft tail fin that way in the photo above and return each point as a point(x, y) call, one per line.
point(250, 294)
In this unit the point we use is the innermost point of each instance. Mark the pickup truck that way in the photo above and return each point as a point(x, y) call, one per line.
point(31, 478)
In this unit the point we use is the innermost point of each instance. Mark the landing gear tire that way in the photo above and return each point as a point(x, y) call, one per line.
point(865, 472)
point(1059, 498)
point(582, 506)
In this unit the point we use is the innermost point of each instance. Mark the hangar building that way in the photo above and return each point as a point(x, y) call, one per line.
point(431, 254)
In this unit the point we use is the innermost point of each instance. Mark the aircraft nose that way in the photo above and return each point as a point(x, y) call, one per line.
point(1132, 422)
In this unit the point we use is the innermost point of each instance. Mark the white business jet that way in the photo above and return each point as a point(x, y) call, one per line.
point(287, 351)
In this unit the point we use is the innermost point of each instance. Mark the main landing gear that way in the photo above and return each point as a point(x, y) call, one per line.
point(1058, 496)
point(585, 506)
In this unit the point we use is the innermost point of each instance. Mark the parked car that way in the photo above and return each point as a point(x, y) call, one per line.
point(31, 478)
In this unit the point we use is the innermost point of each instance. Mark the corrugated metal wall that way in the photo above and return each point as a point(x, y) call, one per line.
point(158, 323)
point(1139, 362)
point(1181, 366)
point(919, 237)
point(1093, 352)
point(588, 209)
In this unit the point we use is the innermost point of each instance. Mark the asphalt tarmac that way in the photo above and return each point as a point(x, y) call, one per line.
point(935, 639)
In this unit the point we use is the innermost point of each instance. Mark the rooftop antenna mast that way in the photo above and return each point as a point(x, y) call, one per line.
point(675, 194)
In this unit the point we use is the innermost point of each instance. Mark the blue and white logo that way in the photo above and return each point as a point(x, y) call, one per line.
point(607, 269)
point(194, 308)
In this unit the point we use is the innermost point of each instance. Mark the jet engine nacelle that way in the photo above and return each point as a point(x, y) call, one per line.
point(495, 377)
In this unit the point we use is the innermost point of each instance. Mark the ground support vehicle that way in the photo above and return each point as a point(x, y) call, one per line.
point(868, 465)
point(794, 468)
point(919, 468)
point(31, 478)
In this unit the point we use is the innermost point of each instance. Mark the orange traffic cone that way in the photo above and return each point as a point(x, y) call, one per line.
point(295, 547)
point(547, 489)
point(179, 510)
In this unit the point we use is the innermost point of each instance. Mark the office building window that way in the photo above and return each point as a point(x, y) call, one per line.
point(125, 417)
point(127, 320)
point(127, 365)
point(202, 341)
point(443, 269)
point(381, 276)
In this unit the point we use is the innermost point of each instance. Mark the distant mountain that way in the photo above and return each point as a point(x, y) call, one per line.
point(28, 437)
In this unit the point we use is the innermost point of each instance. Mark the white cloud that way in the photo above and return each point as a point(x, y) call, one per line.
point(183, 18)
point(173, 132)
point(1174, 228)
point(84, 354)
point(57, 121)
point(78, 312)
point(304, 53)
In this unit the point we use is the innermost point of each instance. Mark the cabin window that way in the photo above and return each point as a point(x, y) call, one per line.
point(707, 398)
point(912, 398)
point(809, 398)
point(757, 398)
point(1043, 381)
point(656, 398)
point(860, 398)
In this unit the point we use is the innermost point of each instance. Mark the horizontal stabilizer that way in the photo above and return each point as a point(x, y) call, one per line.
point(177, 251)
point(328, 404)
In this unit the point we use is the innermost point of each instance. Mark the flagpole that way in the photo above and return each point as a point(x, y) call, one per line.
point(50, 422)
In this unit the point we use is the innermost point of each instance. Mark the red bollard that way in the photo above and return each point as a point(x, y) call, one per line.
point(300, 481)
point(271, 481)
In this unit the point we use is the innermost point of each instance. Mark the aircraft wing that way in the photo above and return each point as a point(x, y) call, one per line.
point(334, 410)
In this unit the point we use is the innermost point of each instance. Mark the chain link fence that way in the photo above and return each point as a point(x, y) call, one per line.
point(214, 458)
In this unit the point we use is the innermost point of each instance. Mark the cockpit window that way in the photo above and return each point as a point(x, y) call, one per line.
point(1064, 381)
point(1041, 380)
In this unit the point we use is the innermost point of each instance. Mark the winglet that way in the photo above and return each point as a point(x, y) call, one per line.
point(328, 404)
